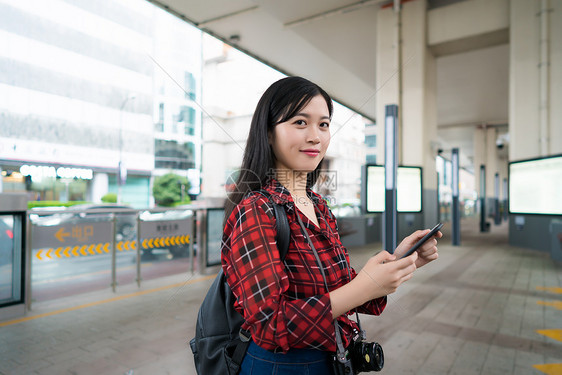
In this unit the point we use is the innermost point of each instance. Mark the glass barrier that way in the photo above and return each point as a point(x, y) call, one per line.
point(71, 254)
point(214, 227)
point(72, 250)
point(165, 238)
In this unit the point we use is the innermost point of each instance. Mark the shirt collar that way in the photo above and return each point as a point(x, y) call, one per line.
point(281, 195)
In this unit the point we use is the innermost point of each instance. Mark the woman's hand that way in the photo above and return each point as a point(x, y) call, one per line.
point(380, 276)
point(384, 275)
point(426, 253)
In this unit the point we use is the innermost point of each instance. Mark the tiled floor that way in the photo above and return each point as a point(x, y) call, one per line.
point(474, 311)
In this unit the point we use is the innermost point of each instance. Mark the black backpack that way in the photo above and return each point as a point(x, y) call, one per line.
point(219, 345)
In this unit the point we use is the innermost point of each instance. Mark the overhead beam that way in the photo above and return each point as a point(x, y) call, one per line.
point(333, 12)
point(225, 16)
point(468, 25)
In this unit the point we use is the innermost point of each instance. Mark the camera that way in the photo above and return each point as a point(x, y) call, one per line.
point(499, 143)
point(360, 357)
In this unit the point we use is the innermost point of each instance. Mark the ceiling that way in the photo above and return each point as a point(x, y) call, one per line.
point(333, 43)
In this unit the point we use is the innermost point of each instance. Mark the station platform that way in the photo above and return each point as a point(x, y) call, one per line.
point(483, 308)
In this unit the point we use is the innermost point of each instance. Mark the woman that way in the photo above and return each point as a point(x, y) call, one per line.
point(289, 306)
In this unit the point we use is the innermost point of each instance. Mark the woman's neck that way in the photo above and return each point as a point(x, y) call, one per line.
point(294, 181)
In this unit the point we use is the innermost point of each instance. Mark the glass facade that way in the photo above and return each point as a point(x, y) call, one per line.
point(174, 154)
point(371, 140)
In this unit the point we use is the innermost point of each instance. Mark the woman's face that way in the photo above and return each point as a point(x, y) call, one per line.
point(300, 143)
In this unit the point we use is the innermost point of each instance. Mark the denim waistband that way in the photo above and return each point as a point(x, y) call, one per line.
point(292, 356)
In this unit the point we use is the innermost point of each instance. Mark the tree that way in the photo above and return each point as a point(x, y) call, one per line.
point(170, 189)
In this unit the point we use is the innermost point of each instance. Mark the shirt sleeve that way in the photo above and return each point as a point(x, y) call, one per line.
point(258, 279)
point(372, 307)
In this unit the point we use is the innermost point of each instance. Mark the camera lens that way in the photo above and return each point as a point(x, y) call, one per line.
point(367, 356)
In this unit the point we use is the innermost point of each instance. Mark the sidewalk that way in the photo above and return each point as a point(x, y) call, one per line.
point(474, 311)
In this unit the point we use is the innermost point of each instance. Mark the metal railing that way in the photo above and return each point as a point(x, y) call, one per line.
point(183, 226)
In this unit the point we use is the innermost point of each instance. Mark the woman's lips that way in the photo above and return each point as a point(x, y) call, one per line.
point(311, 152)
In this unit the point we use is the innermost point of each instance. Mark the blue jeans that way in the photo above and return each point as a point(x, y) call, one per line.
point(259, 361)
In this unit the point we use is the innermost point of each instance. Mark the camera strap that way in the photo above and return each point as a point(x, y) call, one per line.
point(341, 352)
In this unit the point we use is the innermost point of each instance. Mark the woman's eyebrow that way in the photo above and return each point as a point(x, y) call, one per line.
point(308, 116)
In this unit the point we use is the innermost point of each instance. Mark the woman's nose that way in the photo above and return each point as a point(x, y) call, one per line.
point(313, 135)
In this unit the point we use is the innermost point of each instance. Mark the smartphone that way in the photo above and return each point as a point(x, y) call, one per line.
point(417, 245)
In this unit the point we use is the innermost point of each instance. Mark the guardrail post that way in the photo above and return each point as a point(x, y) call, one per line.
point(191, 237)
point(202, 241)
point(113, 255)
point(138, 250)
point(28, 261)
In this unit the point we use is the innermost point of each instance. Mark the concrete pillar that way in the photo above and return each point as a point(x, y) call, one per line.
point(479, 144)
point(491, 161)
point(419, 81)
point(487, 153)
point(98, 187)
point(535, 94)
point(535, 73)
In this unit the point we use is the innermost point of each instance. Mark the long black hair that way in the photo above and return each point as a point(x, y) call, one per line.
point(280, 102)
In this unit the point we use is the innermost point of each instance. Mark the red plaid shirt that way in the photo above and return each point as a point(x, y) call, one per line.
point(286, 304)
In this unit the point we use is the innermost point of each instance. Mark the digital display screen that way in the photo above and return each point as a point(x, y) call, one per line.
point(535, 186)
point(408, 189)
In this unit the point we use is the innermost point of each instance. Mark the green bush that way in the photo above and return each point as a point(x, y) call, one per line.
point(32, 204)
point(186, 200)
point(167, 190)
point(109, 198)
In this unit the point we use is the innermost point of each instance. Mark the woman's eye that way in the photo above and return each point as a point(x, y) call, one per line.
point(300, 122)
point(325, 125)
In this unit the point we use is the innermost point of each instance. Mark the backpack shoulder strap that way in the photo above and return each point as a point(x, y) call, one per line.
point(283, 231)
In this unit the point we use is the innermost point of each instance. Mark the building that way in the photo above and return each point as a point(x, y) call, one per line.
point(177, 113)
point(82, 86)
point(230, 97)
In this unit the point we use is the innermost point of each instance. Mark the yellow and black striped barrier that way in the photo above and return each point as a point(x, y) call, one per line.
point(105, 247)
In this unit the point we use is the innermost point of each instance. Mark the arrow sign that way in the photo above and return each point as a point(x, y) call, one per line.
point(106, 247)
point(61, 234)
point(38, 255)
point(550, 368)
point(71, 234)
point(555, 304)
point(165, 232)
point(75, 251)
point(66, 254)
point(555, 334)
point(48, 254)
